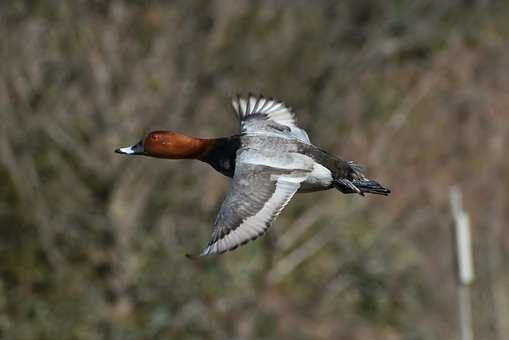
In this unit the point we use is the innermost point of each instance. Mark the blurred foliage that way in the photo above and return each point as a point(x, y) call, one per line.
point(92, 244)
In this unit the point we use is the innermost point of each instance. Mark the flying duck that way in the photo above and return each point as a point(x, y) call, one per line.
point(269, 161)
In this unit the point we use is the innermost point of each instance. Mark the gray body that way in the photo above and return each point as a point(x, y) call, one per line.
point(326, 166)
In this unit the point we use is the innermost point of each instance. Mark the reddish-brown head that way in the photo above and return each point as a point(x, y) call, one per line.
point(168, 144)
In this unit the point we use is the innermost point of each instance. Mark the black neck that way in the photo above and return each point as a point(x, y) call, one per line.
point(223, 154)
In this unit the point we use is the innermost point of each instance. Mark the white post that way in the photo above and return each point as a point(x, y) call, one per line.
point(464, 263)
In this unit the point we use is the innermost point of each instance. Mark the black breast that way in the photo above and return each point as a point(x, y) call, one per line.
point(223, 155)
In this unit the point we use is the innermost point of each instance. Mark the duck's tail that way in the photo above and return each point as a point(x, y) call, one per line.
point(357, 183)
point(360, 187)
point(372, 187)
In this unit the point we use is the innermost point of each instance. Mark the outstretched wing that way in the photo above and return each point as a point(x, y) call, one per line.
point(258, 192)
point(267, 115)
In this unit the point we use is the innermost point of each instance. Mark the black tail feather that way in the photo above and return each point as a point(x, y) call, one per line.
point(371, 187)
point(360, 186)
point(350, 179)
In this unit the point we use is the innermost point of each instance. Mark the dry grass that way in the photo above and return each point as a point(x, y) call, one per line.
point(93, 244)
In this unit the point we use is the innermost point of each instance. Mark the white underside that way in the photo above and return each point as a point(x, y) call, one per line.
point(319, 179)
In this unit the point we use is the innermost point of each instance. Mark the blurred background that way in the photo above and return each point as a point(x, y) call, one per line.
point(92, 244)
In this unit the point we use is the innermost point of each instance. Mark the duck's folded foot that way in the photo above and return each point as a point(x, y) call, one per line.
point(360, 186)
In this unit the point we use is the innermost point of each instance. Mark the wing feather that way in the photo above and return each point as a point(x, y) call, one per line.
point(257, 195)
point(262, 115)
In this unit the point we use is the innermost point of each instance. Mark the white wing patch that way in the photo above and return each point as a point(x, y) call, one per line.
point(255, 226)
point(263, 110)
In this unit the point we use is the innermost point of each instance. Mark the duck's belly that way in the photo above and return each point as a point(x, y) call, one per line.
point(319, 179)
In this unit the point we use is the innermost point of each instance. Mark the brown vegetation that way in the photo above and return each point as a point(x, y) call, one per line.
point(92, 244)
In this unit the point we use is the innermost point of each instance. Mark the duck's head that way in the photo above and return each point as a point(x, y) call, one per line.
point(167, 144)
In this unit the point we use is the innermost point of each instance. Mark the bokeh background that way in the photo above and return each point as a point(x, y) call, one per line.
point(92, 244)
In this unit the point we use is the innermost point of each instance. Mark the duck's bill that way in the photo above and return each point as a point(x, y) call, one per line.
point(135, 149)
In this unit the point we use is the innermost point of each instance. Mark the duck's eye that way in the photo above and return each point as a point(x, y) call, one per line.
point(154, 137)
